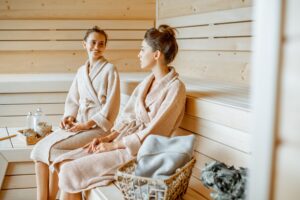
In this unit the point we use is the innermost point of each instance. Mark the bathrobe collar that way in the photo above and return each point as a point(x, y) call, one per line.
point(89, 77)
point(146, 99)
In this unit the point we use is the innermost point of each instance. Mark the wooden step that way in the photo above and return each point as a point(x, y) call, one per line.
point(112, 192)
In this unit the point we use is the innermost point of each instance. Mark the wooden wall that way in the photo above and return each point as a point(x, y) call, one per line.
point(276, 101)
point(287, 150)
point(214, 61)
point(31, 30)
point(214, 38)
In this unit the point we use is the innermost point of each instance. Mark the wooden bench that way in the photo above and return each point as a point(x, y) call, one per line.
point(218, 114)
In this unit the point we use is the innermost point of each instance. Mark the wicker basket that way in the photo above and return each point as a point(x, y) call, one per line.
point(142, 188)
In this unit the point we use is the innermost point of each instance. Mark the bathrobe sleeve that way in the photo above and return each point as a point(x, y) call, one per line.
point(108, 113)
point(72, 100)
point(167, 119)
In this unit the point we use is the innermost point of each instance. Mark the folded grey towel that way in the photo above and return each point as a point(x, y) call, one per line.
point(160, 156)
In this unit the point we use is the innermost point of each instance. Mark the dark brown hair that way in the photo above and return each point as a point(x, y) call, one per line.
point(97, 30)
point(163, 39)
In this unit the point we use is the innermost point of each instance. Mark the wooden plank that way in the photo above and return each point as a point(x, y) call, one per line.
point(287, 176)
point(18, 121)
point(225, 16)
point(221, 44)
point(267, 66)
point(215, 65)
point(221, 152)
point(228, 136)
point(290, 95)
point(218, 30)
point(4, 144)
point(218, 113)
point(16, 155)
point(15, 110)
point(292, 30)
point(62, 45)
point(170, 8)
point(3, 167)
point(76, 35)
point(193, 195)
point(32, 98)
point(71, 9)
point(18, 182)
point(61, 61)
point(196, 185)
point(75, 24)
point(10, 83)
point(20, 168)
point(217, 151)
point(105, 193)
point(24, 194)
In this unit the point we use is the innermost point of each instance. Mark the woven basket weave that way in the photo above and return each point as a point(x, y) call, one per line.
point(142, 188)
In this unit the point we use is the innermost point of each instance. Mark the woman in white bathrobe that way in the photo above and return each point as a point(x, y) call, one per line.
point(91, 108)
point(155, 107)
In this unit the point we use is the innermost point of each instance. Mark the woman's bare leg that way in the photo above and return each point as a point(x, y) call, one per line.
point(42, 180)
point(53, 185)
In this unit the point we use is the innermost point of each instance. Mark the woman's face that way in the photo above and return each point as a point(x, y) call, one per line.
point(146, 56)
point(95, 45)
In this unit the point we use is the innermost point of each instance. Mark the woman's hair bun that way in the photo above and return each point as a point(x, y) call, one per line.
point(165, 29)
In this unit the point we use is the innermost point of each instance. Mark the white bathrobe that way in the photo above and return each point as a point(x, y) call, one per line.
point(94, 94)
point(158, 112)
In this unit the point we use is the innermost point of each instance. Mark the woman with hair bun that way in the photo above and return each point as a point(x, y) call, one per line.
point(156, 106)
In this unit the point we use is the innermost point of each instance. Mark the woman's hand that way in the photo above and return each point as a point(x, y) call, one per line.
point(81, 126)
point(67, 122)
point(105, 147)
point(91, 146)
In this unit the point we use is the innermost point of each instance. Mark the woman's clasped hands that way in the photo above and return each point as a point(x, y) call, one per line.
point(104, 144)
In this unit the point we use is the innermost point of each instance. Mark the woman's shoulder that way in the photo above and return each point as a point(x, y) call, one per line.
point(110, 67)
point(177, 84)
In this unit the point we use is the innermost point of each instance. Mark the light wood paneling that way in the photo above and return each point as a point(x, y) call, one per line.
point(73, 9)
point(219, 44)
point(3, 164)
point(214, 65)
point(15, 121)
point(219, 17)
point(287, 173)
point(197, 186)
point(32, 98)
point(24, 194)
point(62, 61)
point(73, 25)
point(20, 181)
point(68, 35)
point(218, 113)
point(62, 45)
point(228, 136)
point(17, 110)
point(221, 152)
point(290, 106)
point(217, 30)
point(292, 28)
point(20, 168)
point(171, 8)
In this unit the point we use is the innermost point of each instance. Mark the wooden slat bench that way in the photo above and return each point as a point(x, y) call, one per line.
point(217, 113)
